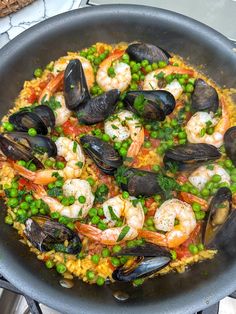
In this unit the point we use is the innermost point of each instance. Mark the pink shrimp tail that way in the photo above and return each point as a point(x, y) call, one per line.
point(51, 87)
point(89, 231)
point(30, 175)
point(136, 145)
point(153, 237)
point(116, 54)
point(38, 190)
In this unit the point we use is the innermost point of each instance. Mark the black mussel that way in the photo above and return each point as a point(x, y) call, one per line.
point(230, 144)
point(99, 108)
point(46, 114)
point(16, 151)
point(142, 51)
point(150, 259)
point(151, 105)
point(103, 154)
point(143, 183)
point(46, 234)
point(219, 212)
point(204, 97)
point(39, 144)
point(190, 156)
point(75, 86)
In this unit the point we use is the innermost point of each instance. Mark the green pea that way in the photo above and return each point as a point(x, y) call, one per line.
point(115, 261)
point(100, 281)
point(200, 247)
point(95, 258)
point(116, 248)
point(38, 72)
point(205, 192)
point(95, 220)
point(184, 188)
point(154, 66)
point(193, 249)
point(216, 178)
point(169, 78)
point(61, 268)
point(60, 165)
point(105, 137)
point(151, 228)
point(8, 220)
point(156, 168)
point(50, 66)
point(8, 126)
point(123, 151)
point(91, 181)
point(181, 80)
point(49, 264)
point(90, 275)
point(117, 145)
point(131, 244)
point(125, 145)
point(150, 221)
point(105, 252)
point(154, 134)
point(123, 259)
point(189, 88)
point(32, 167)
point(191, 81)
point(21, 163)
point(135, 68)
point(102, 225)
point(210, 130)
point(34, 210)
point(194, 191)
point(182, 135)
point(49, 163)
point(162, 64)
point(228, 163)
point(147, 144)
point(21, 212)
point(144, 63)
point(65, 201)
point(133, 86)
point(55, 215)
point(196, 207)
point(12, 202)
point(125, 57)
point(13, 193)
point(148, 68)
point(135, 77)
point(233, 178)
point(173, 254)
point(200, 215)
point(59, 183)
point(138, 282)
point(24, 205)
point(125, 194)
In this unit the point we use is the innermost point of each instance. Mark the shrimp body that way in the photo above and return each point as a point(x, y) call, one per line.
point(164, 220)
point(134, 217)
point(151, 80)
point(62, 114)
point(199, 121)
point(122, 77)
point(203, 174)
point(123, 126)
point(71, 187)
point(72, 153)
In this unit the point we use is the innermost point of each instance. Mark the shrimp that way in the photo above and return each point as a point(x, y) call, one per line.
point(60, 67)
point(116, 206)
point(164, 220)
point(73, 155)
point(203, 174)
point(151, 80)
point(71, 187)
point(62, 114)
point(199, 122)
point(124, 125)
point(122, 77)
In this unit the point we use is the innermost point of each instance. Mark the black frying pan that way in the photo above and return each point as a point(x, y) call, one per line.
point(206, 282)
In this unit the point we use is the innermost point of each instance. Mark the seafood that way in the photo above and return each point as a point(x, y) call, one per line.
point(190, 156)
point(46, 234)
point(150, 259)
point(62, 114)
point(151, 80)
point(204, 97)
point(71, 187)
point(230, 143)
point(134, 218)
point(122, 75)
point(164, 220)
point(125, 125)
point(142, 51)
point(151, 105)
point(103, 154)
point(199, 122)
point(203, 174)
point(51, 87)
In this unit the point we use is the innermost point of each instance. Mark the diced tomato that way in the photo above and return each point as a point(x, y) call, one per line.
point(150, 213)
point(182, 179)
point(23, 183)
point(71, 127)
point(146, 133)
point(149, 202)
point(154, 142)
point(32, 97)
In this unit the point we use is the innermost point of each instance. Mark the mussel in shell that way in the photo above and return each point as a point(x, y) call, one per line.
point(75, 86)
point(142, 51)
point(204, 97)
point(219, 213)
point(230, 144)
point(46, 234)
point(150, 259)
point(99, 108)
point(40, 118)
point(143, 183)
point(150, 105)
point(39, 144)
point(16, 151)
point(103, 154)
point(190, 156)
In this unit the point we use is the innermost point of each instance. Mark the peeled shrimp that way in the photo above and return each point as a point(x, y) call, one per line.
point(164, 220)
point(62, 114)
point(134, 217)
point(71, 187)
point(122, 77)
point(199, 121)
point(73, 155)
point(203, 174)
point(125, 125)
point(151, 80)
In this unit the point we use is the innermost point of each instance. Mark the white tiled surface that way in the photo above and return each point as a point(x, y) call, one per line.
point(16, 23)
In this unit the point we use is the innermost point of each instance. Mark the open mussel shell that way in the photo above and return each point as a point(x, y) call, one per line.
point(138, 182)
point(190, 156)
point(230, 144)
point(103, 154)
point(16, 151)
point(75, 86)
point(204, 97)
point(219, 213)
point(46, 234)
point(142, 51)
point(150, 259)
point(46, 114)
point(38, 144)
point(150, 105)
point(99, 108)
